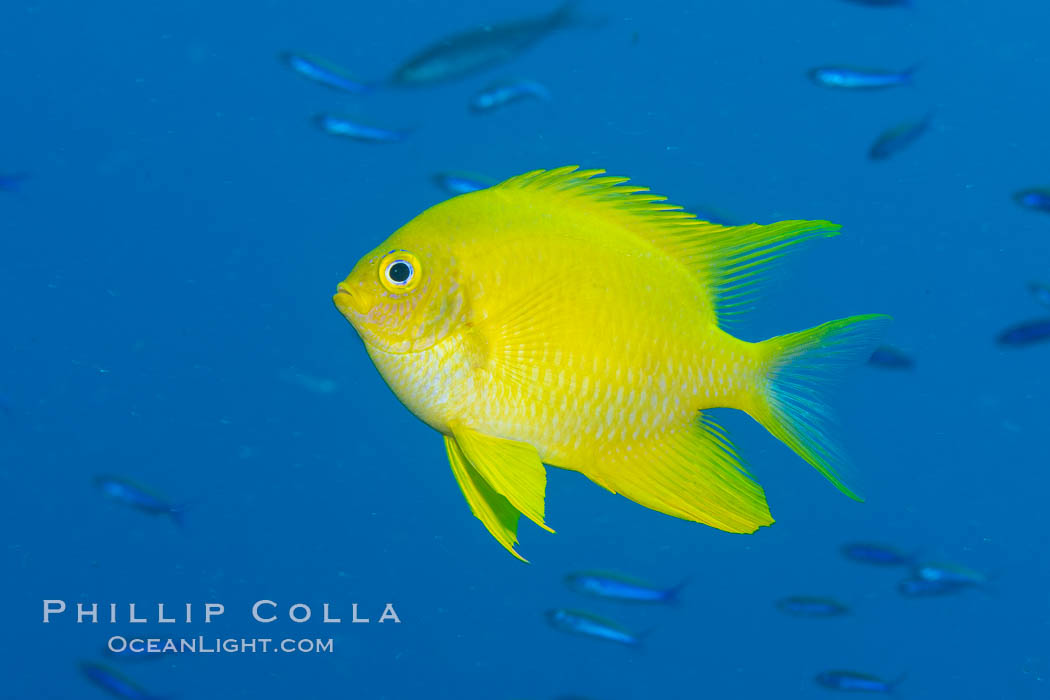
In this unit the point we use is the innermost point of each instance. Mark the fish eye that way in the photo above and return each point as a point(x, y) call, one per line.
point(399, 271)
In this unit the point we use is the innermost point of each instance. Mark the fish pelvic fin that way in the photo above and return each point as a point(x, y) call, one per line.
point(493, 510)
point(690, 472)
point(513, 470)
point(801, 368)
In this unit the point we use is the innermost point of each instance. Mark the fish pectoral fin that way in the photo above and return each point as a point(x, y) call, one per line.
point(691, 472)
point(513, 470)
point(498, 515)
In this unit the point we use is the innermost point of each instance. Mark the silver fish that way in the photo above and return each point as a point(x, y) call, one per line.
point(505, 92)
point(456, 182)
point(131, 494)
point(898, 138)
point(618, 587)
point(343, 126)
point(322, 72)
point(849, 78)
point(588, 625)
point(478, 49)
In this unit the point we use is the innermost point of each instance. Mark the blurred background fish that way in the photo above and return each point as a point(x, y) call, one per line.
point(855, 682)
point(479, 49)
point(947, 572)
point(588, 625)
point(1025, 333)
point(114, 683)
point(851, 78)
point(898, 138)
point(504, 92)
point(921, 588)
point(1036, 199)
point(323, 72)
point(345, 127)
point(317, 385)
point(619, 587)
point(458, 182)
point(12, 182)
point(131, 494)
point(889, 357)
point(809, 606)
point(877, 554)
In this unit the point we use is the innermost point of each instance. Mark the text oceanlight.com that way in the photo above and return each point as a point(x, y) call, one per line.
point(217, 645)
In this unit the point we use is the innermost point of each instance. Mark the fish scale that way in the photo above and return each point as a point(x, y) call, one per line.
point(567, 319)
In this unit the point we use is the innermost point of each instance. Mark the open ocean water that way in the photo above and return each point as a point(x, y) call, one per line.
point(167, 263)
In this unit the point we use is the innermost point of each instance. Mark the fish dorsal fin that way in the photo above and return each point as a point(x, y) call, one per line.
point(728, 261)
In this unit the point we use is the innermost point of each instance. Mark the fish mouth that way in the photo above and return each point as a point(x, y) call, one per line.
point(347, 301)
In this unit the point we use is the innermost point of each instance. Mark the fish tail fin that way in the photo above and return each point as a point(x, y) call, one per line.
point(897, 681)
point(641, 639)
point(909, 72)
point(800, 369)
point(674, 595)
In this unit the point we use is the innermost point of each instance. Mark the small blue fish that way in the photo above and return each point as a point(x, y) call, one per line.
point(1041, 292)
point(323, 72)
point(949, 573)
point(850, 78)
point(618, 587)
point(131, 494)
point(454, 182)
point(505, 92)
point(1026, 333)
point(898, 138)
point(890, 358)
point(808, 606)
point(1036, 199)
point(12, 182)
point(588, 625)
point(113, 682)
point(342, 126)
point(855, 682)
point(878, 554)
point(921, 588)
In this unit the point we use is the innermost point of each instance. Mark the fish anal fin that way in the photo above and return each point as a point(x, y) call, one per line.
point(513, 469)
point(690, 472)
point(493, 510)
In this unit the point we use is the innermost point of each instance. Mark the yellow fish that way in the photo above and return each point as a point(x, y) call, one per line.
point(565, 318)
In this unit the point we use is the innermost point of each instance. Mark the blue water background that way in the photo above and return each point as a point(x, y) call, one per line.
point(166, 274)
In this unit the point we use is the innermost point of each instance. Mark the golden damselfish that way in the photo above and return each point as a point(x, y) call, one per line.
point(565, 318)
